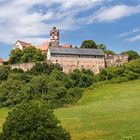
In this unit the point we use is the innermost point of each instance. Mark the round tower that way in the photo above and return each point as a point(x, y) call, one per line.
point(54, 37)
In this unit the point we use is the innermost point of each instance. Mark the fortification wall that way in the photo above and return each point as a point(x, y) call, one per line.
point(24, 66)
point(115, 60)
point(70, 63)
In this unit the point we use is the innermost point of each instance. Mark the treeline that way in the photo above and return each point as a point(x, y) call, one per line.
point(44, 83)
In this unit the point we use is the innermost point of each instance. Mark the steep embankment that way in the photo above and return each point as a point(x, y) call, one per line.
point(110, 112)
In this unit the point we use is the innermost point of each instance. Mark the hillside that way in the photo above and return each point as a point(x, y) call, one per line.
point(109, 112)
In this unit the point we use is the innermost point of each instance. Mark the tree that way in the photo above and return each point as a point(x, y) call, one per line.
point(44, 68)
point(81, 78)
point(4, 72)
point(15, 56)
point(89, 44)
point(33, 122)
point(132, 54)
point(31, 54)
point(11, 92)
point(109, 52)
point(101, 46)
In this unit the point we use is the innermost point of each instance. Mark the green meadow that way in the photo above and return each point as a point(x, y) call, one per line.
point(107, 112)
point(110, 112)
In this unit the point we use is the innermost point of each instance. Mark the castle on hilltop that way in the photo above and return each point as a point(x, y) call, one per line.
point(70, 58)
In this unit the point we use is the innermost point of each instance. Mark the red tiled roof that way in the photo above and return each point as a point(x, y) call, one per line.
point(24, 44)
point(44, 46)
point(1, 60)
point(66, 46)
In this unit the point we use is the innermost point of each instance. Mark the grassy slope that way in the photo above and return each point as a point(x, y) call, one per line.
point(111, 112)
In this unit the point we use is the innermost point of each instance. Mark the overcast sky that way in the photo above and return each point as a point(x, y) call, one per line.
point(115, 23)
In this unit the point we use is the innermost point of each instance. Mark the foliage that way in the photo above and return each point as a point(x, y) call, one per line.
point(126, 72)
point(4, 72)
point(30, 54)
point(89, 44)
point(81, 78)
point(11, 92)
point(43, 68)
point(15, 56)
point(109, 52)
point(45, 83)
point(132, 54)
point(101, 46)
point(33, 122)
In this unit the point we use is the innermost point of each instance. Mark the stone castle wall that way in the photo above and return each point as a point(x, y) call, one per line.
point(70, 63)
point(115, 60)
point(24, 66)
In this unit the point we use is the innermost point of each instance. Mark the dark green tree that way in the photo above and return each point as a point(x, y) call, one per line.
point(89, 44)
point(132, 54)
point(33, 122)
point(4, 72)
point(31, 54)
point(11, 92)
point(44, 68)
point(15, 56)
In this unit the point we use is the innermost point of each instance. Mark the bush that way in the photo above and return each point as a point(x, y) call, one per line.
point(126, 72)
point(33, 122)
point(4, 72)
point(81, 78)
point(11, 92)
point(44, 68)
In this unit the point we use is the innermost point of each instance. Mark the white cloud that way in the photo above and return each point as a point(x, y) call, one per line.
point(129, 33)
point(133, 39)
point(133, 35)
point(108, 14)
point(20, 19)
point(33, 19)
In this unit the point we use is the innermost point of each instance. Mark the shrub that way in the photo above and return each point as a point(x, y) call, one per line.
point(43, 68)
point(81, 78)
point(11, 92)
point(4, 72)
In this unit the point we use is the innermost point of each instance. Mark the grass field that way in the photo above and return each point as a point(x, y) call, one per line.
point(110, 112)
point(3, 114)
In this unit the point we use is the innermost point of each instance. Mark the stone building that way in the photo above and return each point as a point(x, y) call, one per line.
point(72, 58)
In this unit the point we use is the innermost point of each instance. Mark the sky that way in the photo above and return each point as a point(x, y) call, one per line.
point(115, 23)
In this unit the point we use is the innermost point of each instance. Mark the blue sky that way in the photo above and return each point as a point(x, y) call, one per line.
point(115, 23)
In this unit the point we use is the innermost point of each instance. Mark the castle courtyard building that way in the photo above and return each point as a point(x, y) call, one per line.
point(81, 58)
